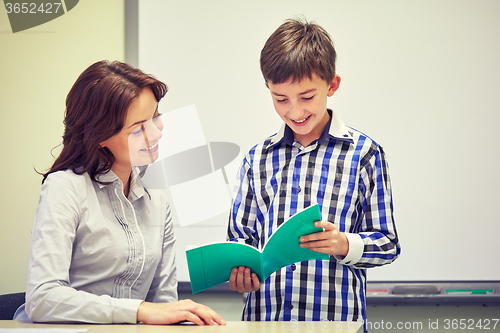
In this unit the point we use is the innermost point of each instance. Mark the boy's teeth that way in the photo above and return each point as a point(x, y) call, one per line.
point(301, 121)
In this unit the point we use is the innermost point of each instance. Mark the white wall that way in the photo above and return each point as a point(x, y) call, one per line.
point(393, 67)
point(37, 68)
point(418, 76)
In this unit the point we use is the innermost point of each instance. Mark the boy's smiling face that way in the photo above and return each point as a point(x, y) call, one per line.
point(302, 105)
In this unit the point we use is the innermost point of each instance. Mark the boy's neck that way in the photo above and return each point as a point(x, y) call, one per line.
point(306, 139)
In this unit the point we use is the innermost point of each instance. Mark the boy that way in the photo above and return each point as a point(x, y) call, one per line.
point(313, 158)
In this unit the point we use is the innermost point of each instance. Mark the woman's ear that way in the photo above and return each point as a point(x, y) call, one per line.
point(103, 144)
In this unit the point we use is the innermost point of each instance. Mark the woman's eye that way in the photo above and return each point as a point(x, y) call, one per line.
point(139, 130)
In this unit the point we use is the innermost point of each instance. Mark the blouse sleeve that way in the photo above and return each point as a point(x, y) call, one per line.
point(49, 298)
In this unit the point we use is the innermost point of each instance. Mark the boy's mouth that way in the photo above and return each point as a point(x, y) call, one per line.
point(301, 121)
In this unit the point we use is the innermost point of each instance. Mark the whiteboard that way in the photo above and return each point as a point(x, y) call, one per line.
point(422, 78)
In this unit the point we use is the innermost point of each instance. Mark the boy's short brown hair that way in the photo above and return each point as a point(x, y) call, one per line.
point(296, 50)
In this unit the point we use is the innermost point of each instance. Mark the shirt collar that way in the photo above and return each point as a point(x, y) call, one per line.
point(335, 128)
point(338, 129)
point(137, 189)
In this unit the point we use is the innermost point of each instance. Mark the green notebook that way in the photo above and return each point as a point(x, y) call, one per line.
point(211, 265)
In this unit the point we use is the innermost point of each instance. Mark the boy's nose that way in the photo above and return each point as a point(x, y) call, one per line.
point(296, 111)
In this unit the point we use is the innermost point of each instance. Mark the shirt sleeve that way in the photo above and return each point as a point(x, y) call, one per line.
point(376, 243)
point(242, 217)
point(49, 297)
point(164, 286)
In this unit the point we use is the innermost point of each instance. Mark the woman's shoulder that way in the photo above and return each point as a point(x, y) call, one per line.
point(67, 178)
point(65, 189)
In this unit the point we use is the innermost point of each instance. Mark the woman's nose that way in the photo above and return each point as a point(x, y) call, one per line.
point(154, 129)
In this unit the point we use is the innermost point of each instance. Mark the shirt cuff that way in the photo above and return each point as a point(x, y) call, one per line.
point(125, 310)
point(355, 253)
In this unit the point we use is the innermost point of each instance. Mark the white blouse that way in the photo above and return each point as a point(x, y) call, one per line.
point(96, 255)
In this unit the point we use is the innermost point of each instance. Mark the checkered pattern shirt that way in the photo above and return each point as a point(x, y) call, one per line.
point(346, 173)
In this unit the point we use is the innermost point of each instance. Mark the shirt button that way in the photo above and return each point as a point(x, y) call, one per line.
point(290, 307)
point(298, 189)
point(294, 267)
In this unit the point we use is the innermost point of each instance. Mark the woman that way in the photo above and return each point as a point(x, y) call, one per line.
point(102, 247)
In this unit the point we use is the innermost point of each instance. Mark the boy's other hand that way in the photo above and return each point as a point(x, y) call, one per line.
point(242, 281)
point(330, 241)
point(175, 312)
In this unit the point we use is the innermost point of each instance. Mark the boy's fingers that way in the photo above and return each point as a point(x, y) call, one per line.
point(247, 280)
point(325, 225)
point(321, 235)
point(239, 279)
point(242, 280)
point(255, 280)
point(232, 279)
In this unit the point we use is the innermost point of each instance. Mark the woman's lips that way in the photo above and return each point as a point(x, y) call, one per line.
point(151, 149)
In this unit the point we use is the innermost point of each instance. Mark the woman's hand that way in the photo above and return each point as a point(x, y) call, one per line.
point(175, 312)
point(242, 281)
point(330, 241)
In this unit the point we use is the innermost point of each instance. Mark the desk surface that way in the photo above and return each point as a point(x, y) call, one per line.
point(232, 326)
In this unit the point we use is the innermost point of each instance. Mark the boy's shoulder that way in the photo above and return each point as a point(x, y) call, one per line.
point(349, 137)
point(358, 136)
point(263, 146)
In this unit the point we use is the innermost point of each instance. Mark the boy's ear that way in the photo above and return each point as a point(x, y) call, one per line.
point(334, 85)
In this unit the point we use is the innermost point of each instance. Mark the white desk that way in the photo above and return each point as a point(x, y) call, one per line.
point(232, 326)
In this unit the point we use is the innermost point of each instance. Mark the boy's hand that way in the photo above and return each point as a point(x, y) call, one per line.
point(175, 312)
point(242, 281)
point(331, 241)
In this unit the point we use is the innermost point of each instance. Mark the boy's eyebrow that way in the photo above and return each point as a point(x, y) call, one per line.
point(308, 91)
point(142, 121)
point(302, 93)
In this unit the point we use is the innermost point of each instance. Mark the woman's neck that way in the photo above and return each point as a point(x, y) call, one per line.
point(124, 174)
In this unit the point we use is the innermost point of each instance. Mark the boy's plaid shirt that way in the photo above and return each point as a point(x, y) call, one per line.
point(346, 173)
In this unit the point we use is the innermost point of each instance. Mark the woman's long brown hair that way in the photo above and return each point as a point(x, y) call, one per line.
point(96, 108)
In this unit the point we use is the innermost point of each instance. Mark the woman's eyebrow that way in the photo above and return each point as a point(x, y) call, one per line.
point(143, 121)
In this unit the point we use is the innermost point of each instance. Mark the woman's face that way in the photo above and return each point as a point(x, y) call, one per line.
point(137, 142)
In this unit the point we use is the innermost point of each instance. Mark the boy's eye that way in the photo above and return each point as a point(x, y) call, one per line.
point(308, 98)
point(281, 100)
